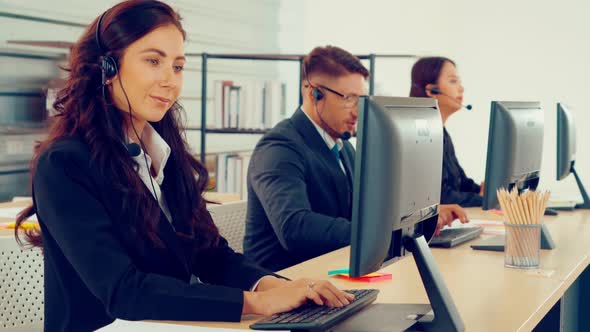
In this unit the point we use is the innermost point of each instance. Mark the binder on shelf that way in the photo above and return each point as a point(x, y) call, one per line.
point(249, 104)
point(233, 108)
point(231, 173)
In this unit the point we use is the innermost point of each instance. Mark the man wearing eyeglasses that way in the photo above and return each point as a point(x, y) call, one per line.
point(300, 173)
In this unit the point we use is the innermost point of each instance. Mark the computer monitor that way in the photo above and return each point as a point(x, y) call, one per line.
point(397, 185)
point(566, 150)
point(515, 151)
point(515, 148)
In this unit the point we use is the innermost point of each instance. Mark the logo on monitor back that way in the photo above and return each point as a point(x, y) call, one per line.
point(422, 130)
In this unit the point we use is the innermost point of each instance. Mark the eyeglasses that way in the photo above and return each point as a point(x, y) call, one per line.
point(348, 101)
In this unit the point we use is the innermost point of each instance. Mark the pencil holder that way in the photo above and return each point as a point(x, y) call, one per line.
point(523, 246)
point(522, 214)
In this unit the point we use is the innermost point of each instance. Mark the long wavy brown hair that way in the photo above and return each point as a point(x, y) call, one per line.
point(83, 113)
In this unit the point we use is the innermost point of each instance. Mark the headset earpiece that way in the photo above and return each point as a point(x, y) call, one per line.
point(435, 91)
point(108, 67)
point(317, 94)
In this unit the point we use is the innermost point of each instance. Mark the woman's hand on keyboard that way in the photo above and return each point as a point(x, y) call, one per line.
point(329, 294)
point(292, 295)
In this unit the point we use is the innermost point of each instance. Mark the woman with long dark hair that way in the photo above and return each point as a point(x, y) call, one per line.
point(124, 227)
point(437, 77)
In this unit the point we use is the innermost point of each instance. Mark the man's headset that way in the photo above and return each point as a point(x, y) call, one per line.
point(318, 95)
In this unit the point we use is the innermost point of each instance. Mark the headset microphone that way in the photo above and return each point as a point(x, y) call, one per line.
point(133, 149)
point(436, 91)
point(345, 135)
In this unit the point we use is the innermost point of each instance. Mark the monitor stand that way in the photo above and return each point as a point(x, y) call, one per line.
point(586, 203)
point(440, 315)
point(446, 316)
point(385, 317)
point(496, 243)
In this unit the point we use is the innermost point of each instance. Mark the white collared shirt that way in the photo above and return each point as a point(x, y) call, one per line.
point(157, 156)
point(330, 142)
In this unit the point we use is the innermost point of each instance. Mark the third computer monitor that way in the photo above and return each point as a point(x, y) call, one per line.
point(566, 151)
point(566, 141)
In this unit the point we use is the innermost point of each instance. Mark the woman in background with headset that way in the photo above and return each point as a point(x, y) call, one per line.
point(437, 77)
point(124, 228)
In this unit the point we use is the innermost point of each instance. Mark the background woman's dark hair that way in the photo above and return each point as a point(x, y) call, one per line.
point(82, 112)
point(426, 71)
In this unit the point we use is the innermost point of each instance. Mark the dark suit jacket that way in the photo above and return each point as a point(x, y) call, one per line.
point(93, 274)
point(456, 187)
point(299, 199)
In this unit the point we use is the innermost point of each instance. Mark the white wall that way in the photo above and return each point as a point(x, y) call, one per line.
point(524, 51)
point(505, 50)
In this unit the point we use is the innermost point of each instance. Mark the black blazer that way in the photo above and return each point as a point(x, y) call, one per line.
point(93, 274)
point(456, 187)
point(299, 199)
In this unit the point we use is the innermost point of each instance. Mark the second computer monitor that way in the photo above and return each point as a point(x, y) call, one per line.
point(398, 171)
point(515, 148)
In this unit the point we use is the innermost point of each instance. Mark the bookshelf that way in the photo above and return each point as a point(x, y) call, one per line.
point(206, 57)
point(224, 152)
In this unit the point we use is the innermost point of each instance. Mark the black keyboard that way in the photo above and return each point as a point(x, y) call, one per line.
point(450, 237)
point(312, 317)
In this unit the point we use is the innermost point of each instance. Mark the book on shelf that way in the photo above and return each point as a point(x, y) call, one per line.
point(220, 99)
point(234, 106)
point(249, 104)
point(231, 173)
